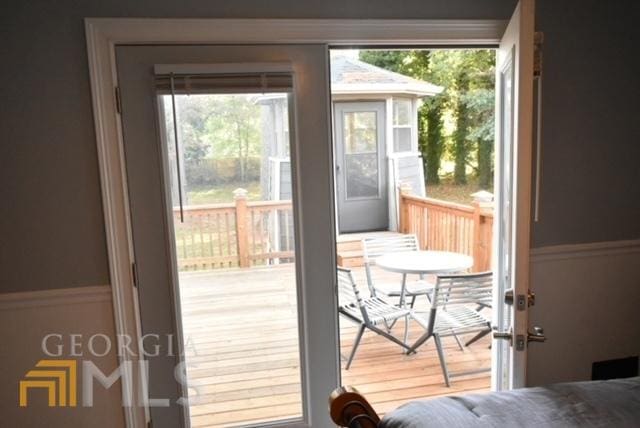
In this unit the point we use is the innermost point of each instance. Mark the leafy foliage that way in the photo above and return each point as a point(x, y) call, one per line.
point(468, 99)
point(430, 137)
point(219, 136)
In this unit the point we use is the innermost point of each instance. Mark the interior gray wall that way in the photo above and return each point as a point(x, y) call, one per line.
point(591, 138)
point(51, 226)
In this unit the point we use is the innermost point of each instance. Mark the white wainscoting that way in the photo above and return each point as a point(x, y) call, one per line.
point(588, 302)
point(25, 318)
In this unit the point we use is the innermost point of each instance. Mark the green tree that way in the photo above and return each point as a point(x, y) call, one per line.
point(215, 126)
point(481, 105)
point(234, 129)
point(468, 78)
point(389, 60)
point(431, 138)
point(480, 100)
point(460, 136)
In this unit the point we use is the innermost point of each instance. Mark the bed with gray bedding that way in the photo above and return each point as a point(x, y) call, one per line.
point(612, 403)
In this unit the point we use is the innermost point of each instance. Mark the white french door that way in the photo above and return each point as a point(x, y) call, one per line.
point(514, 118)
point(149, 173)
point(152, 42)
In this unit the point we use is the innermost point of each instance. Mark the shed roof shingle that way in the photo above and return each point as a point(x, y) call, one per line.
point(352, 75)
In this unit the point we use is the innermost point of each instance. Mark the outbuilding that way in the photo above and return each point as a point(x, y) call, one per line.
point(375, 130)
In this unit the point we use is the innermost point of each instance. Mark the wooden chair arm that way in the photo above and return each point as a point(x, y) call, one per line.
point(348, 408)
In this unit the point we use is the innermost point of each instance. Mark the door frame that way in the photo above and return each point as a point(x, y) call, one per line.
point(103, 34)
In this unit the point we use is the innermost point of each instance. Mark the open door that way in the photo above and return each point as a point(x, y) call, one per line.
point(514, 122)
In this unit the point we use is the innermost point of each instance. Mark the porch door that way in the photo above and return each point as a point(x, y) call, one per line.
point(361, 166)
point(300, 74)
point(514, 118)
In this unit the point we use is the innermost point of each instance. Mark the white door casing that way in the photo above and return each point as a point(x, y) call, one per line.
point(103, 34)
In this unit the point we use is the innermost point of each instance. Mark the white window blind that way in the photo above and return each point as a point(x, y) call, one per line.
point(224, 78)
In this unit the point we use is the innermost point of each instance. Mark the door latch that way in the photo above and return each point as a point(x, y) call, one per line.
point(508, 297)
point(519, 343)
point(506, 335)
point(521, 301)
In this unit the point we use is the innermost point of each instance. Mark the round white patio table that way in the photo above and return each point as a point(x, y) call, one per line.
point(423, 263)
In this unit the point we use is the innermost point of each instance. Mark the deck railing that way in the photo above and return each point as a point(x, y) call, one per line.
point(448, 226)
point(234, 234)
point(245, 234)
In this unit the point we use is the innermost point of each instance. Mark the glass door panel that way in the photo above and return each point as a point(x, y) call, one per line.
point(235, 250)
point(217, 182)
point(361, 154)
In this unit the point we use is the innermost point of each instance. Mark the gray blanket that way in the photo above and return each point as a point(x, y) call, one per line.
point(613, 403)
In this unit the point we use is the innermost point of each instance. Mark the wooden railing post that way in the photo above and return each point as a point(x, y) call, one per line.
point(403, 225)
point(242, 234)
point(481, 236)
point(477, 242)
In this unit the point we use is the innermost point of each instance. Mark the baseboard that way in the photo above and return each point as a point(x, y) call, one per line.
point(591, 249)
point(56, 297)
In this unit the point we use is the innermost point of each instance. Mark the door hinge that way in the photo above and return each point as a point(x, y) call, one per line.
point(538, 40)
point(134, 274)
point(118, 99)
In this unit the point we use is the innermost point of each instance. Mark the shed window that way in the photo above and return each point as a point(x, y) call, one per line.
point(402, 115)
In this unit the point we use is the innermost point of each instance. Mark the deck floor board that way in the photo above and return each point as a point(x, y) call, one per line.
point(242, 351)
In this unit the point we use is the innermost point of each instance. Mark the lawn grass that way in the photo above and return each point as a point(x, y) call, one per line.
point(447, 190)
point(222, 193)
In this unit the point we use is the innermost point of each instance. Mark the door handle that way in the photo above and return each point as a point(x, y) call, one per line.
point(537, 335)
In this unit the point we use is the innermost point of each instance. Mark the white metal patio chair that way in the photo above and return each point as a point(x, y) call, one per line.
point(374, 247)
point(453, 313)
point(368, 312)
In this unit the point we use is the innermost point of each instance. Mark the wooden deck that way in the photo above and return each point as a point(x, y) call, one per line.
point(242, 351)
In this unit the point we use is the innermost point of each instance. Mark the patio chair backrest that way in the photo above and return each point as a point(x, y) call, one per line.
point(348, 294)
point(460, 289)
point(374, 247)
